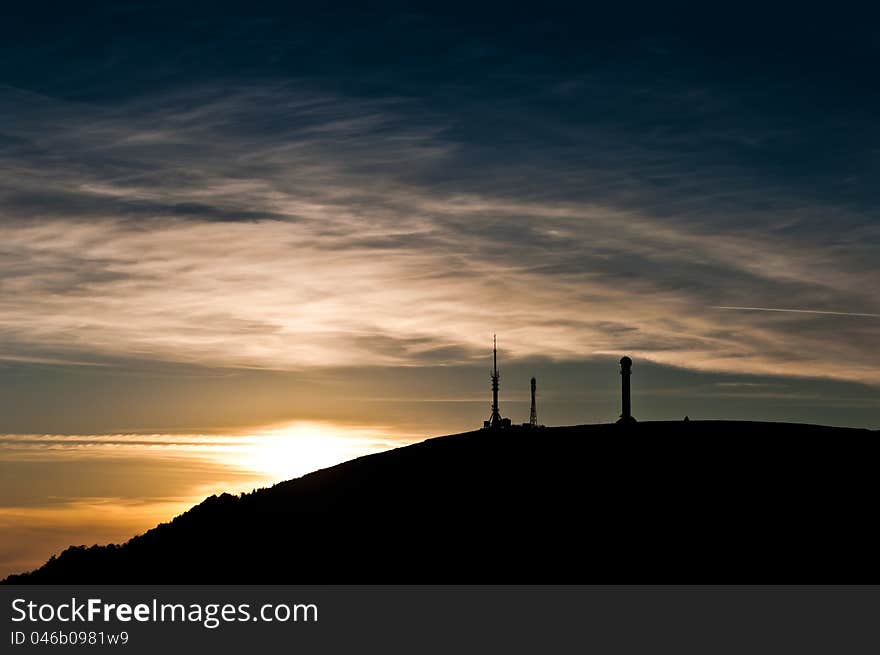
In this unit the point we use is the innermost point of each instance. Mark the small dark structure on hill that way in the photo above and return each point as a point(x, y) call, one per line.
point(625, 373)
point(533, 409)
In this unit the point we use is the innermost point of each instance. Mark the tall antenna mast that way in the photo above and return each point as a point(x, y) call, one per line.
point(495, 419)
point(533, 414)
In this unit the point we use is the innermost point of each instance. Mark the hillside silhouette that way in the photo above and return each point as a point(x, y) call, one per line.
point(652, 502)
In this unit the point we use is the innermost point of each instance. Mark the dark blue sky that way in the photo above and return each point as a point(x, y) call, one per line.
point(782, 103)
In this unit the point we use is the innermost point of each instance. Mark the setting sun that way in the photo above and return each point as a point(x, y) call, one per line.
point(302, 447)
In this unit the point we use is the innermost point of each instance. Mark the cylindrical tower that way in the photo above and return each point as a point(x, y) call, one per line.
point(626, 408)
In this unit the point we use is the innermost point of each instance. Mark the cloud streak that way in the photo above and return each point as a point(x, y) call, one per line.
point(275, 227)
point(799, 311)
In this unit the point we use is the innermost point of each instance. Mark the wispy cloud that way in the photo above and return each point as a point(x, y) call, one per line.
point(273, 227)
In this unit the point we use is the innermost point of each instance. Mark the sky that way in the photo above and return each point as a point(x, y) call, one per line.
point(223, 221)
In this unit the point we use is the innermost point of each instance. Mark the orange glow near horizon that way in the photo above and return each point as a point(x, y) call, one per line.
point(72, 490)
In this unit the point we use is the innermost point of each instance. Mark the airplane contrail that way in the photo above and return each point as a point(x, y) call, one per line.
point(797, 311)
